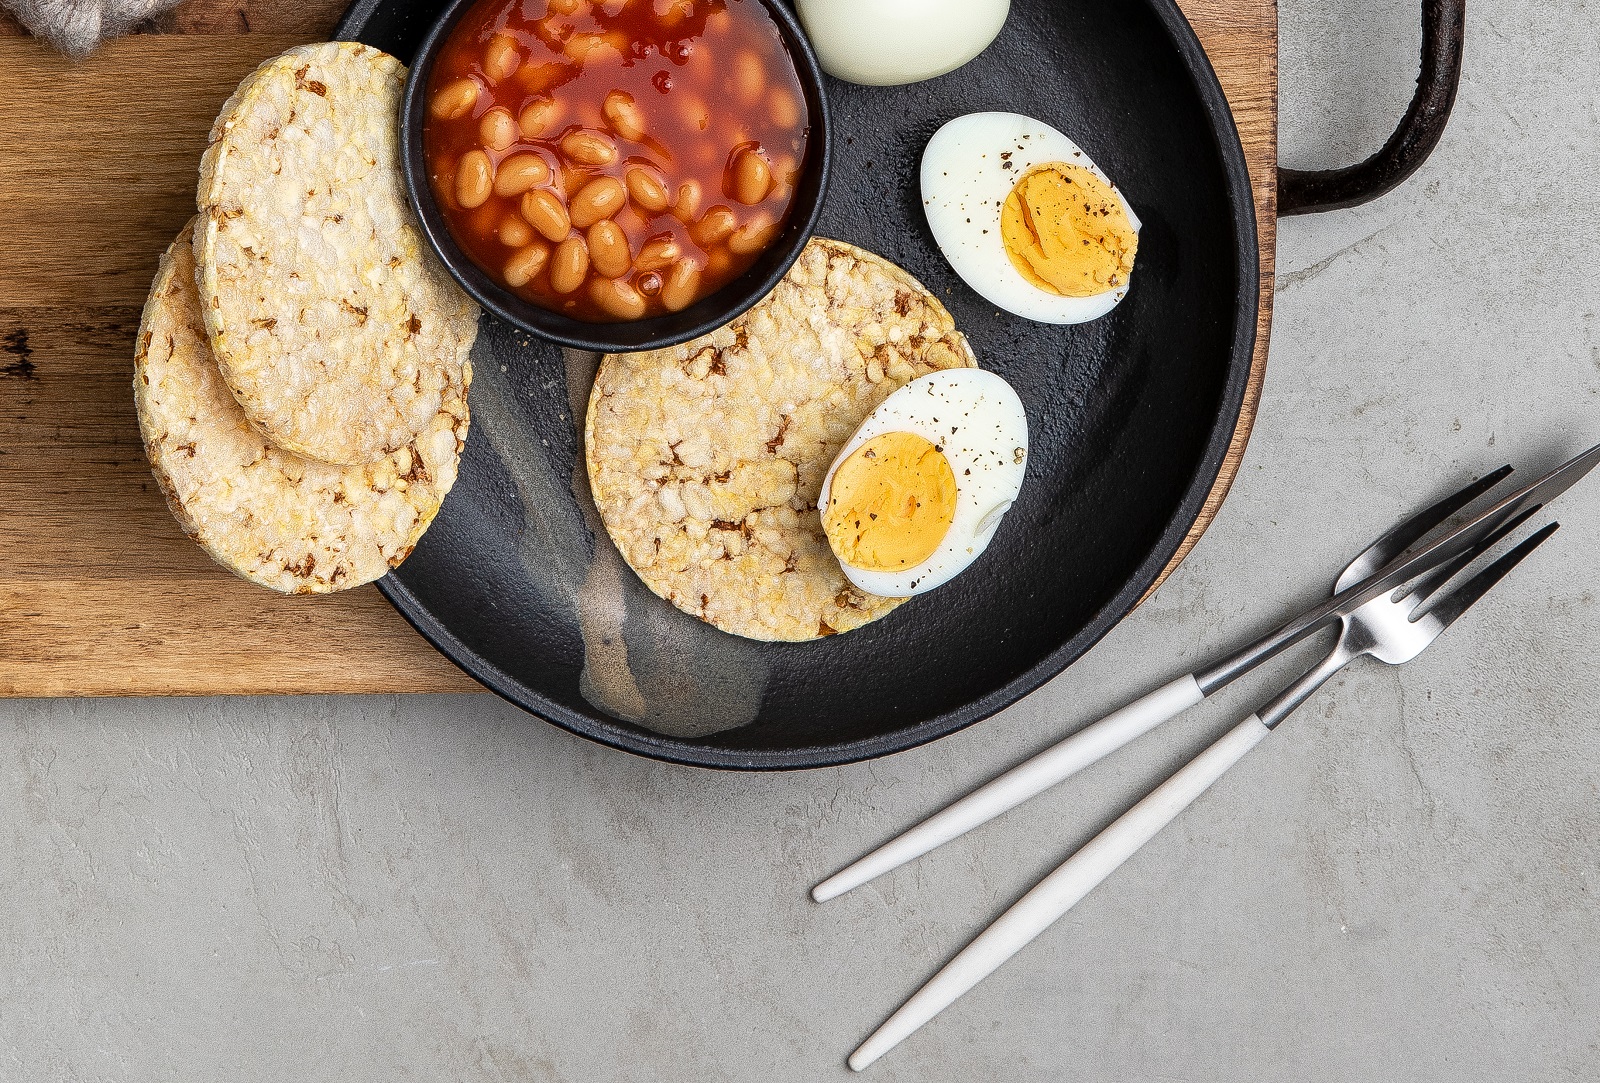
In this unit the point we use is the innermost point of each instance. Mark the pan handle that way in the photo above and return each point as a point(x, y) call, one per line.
point(1303, 191)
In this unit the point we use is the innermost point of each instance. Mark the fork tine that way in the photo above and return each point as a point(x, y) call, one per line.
point(1419, 524)
point(1457, 603)
point(1406, 534)
point(1423, 589)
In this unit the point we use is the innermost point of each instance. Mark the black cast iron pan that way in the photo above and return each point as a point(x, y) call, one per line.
point(1130, 417)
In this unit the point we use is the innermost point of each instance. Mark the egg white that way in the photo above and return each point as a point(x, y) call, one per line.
point(965, 182)
point(977, 421)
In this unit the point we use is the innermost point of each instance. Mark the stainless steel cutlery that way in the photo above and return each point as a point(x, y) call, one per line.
point(1392, 602)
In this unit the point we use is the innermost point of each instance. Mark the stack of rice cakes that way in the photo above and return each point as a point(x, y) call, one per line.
point(301, 372)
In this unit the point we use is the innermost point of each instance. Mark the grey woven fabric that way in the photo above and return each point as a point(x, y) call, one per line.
point(77, 26)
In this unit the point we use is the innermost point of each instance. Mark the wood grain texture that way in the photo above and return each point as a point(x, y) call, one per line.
point(1242, 41)
point(100, 593)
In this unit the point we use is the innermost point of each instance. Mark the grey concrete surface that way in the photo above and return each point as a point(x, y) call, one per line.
point(1401, 885)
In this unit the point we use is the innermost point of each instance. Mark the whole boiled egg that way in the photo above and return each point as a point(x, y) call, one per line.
point(918, 491)
point(889, 42)
point(1027, 219)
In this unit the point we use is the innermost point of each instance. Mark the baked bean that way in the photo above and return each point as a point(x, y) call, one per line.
point(705, 156)
point(579, 46)
point(647, 190)
point(784, 174)
point(585, 48)
point(514, 231)
point(695, 114)
point(675, 12)
point(589, 148)
point(749, 77)
point(474, 179)
point(525, 266)
point(750, 177)
point(752, 237)
point(501, 59)
point(687, 206)
point(444, 177)
point(601, 198)
point(539, 117)
point(624, 115)
point(608, 249)
point(570, 265)
point(546, 213)
point(700, 63)
point(568, 7)
point(682, 284)
point(455, 100)
point(498, 129)
point(715, 227)
point(784, 109)
point(519, 173)
point(540, 78)
point(658, 254)
point(484, 219)
point(618, 298)
point(719, 262)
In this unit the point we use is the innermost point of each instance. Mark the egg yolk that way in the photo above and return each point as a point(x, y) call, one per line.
point(1067, 233)
point(891, 503)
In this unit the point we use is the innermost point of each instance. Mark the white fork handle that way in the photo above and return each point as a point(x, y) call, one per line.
point(1061, 890)
point(1023, 781)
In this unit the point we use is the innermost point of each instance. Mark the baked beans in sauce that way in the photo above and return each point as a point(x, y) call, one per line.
point(615, 159)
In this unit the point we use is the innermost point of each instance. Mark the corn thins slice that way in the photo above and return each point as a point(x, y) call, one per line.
point(706, 459)
point(269, 515)
point(336, 328)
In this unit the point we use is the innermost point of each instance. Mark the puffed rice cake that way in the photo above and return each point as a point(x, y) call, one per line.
point(706, 459)
point(335, 327)
point(272, 517)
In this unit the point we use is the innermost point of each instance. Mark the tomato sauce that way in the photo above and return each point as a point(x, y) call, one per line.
point(615, 159)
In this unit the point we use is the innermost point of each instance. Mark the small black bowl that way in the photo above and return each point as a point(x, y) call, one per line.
point(656, 332)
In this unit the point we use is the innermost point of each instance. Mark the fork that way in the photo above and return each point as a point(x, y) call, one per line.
point(1393, 628)
point(1100, 739)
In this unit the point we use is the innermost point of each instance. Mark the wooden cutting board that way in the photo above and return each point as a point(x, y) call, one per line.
point(100, 594)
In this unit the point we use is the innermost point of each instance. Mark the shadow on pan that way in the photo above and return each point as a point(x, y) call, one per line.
point(1130, 417)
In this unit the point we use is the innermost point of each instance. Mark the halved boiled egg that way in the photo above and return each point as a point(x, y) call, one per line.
point(1026, 219)
point(920, 488)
